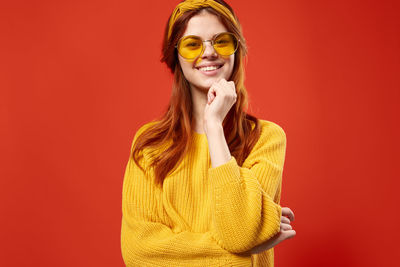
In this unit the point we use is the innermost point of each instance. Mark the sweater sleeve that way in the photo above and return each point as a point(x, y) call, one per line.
point(246, 210)
point(147, 240)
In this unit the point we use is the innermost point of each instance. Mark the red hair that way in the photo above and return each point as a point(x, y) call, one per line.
point(241, 129)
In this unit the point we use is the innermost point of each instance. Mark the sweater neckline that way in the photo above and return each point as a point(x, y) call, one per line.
point(198, 136)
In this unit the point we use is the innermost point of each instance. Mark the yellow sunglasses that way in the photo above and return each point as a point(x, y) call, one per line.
point(191, 46)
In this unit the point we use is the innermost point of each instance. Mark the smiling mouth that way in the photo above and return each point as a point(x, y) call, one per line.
point(209, 68)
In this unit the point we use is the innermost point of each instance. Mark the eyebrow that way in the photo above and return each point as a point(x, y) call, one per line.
point(202, 38)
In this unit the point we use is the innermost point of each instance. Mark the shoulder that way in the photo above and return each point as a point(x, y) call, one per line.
point(152, 148)
point(270, 129)
point(270, 146)
point(142, 128)
point(272, 136)
point(146, 126)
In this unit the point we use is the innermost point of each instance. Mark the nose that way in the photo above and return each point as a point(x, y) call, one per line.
point(209, 50)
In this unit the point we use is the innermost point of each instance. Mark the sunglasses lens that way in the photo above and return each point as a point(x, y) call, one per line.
point(225, 44)
point(190, 47)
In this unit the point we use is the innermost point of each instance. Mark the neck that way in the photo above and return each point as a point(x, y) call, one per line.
point(199, 100)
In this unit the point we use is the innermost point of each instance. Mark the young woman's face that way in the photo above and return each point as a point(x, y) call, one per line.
point(206, 26)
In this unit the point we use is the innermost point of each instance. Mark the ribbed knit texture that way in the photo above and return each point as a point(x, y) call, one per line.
point(204, 216)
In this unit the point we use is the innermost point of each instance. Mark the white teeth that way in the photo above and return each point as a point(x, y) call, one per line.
point(209, 68)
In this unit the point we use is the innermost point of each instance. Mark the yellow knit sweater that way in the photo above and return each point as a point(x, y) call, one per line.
point(204, 216)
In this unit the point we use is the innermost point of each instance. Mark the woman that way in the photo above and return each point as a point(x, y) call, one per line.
point(202, 185)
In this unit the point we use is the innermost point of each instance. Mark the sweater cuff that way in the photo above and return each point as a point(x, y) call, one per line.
point(225, 174)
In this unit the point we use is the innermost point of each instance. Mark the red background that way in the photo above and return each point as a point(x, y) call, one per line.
point(77, 78)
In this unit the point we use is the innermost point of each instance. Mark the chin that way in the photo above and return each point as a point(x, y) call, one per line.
point(206, 83)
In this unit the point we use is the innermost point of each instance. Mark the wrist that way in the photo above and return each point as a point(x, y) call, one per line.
point(212, 126)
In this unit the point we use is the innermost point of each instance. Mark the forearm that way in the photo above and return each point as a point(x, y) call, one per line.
point(218, 148)
point(155, 244)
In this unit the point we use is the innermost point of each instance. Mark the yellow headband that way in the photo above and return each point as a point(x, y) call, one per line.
point(196, 4)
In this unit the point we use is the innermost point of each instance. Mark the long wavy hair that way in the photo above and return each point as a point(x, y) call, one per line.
point(174, 128)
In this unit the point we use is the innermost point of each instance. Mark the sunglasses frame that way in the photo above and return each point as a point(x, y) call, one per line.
point(212, 41)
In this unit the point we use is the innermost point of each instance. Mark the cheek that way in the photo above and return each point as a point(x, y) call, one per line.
point(231, 64)
point(186, 69)
point(186, 66)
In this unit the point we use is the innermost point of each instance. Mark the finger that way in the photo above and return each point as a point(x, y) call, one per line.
point(285, 219)
point(232, 85)
point(288, 212)
point(223, 87)
point(215, 89)
point(289, 234)
point(211, 98)
point(211, 92)
point(228, 89)
point(286, 227)
point(212, 88)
